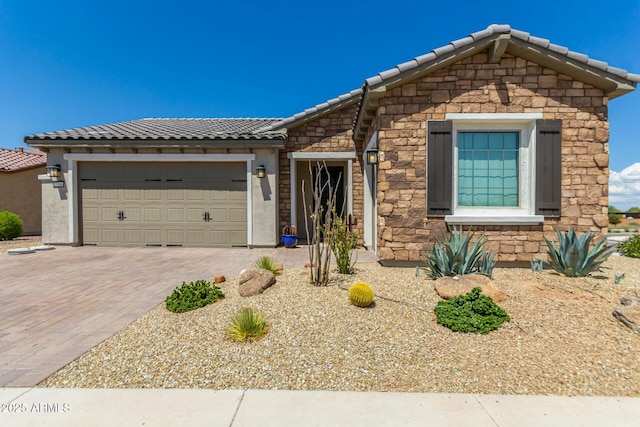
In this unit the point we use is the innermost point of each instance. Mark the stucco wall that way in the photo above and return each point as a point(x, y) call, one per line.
point(514, 85)
point(20, 194)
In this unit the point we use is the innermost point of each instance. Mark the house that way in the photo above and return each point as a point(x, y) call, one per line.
point(500, 131)
point(20, 190)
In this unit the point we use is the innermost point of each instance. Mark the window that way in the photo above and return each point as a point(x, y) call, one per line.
point(493, 168)
point(488, 169)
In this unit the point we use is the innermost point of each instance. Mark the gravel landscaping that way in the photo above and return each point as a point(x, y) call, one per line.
point(20, 242)
point(561, 340)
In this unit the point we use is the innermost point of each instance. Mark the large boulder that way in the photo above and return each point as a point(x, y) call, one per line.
point(629, 312)
point(449, 287)
point(255, 281)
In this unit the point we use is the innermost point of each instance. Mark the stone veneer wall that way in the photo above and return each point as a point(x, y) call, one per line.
point(329, 133)
point(514, 85)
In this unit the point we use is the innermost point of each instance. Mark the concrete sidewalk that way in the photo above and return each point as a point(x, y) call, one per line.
point(169, 407)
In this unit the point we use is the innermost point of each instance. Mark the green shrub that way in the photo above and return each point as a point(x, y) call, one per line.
point(193, 295)
point(343, 242)
point(269, 264)
point(10, 225)
point(573, 256)
point(473, 312)
point(248, 325)
point(452, 255)
point(630, 247)
point(615, 218)
point(360, 295)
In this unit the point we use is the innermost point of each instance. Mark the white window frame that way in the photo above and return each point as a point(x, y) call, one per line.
point(525, 125)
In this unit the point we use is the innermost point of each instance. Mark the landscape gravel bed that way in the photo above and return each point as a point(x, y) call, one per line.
point(561, 340)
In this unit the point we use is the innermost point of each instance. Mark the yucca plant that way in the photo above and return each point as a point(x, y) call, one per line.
point(269, 264)
point(573, 256)
point(455, 255)
point(248, 325)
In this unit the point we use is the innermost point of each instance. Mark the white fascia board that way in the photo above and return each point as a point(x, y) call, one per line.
point(494, 220)
point(333, 155)
point(498, 117)
point(231, 157)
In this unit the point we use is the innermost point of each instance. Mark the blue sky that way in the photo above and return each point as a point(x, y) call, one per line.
point(66, 64)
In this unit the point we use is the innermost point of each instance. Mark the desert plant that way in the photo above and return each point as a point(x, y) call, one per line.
point(630, 247)
point(321, 218)
point(248, 325)
point(10, 225)
point(451, 255)
point(343, 242)
point(537, 265)
point(617, 278)
point(473, 312)
point(573, 257)
point(193, 295)
point(269, 264)
point(361, 295)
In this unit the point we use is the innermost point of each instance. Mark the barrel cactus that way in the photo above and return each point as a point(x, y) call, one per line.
point(360, 294)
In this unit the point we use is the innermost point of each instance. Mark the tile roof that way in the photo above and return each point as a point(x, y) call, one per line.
point(318, 110)
point(17, 160)
point(614, 81)
point(494, 30)
point(168, 129)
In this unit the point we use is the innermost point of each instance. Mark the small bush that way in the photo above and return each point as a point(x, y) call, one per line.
point(615, 218)
point(360, 295)
point(630, 247)
point(343, 242)
point(473, 312)
point(248, 325)
point(193, 295)
point(269, 264)
point(10, 225)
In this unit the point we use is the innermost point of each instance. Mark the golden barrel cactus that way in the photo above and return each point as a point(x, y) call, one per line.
point(360, 294)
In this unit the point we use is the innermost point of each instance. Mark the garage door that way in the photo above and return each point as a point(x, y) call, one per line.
point(163, 204)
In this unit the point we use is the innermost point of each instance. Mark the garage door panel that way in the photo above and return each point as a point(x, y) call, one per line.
point(153, 214)
point(163, 203)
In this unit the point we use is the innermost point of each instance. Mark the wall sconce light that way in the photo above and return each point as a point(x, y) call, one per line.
point(261, 171)
point(53, 172)
point(372, 156)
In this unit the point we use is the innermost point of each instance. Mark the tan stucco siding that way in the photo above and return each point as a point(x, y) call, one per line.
point(20, 194)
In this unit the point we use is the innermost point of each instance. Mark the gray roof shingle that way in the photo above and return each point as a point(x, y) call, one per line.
point(168, 129)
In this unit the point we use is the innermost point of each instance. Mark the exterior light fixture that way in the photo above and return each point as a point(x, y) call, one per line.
point(261, 171)
point(372, 156)
point(54, 173)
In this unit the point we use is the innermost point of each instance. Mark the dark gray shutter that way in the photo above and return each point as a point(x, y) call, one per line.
point(548, 170)
point(439, 167)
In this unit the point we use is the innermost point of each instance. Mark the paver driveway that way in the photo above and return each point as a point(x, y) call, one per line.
point(56, 305)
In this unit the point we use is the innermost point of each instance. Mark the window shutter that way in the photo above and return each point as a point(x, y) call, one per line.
point(439, 167)
point(548, 170)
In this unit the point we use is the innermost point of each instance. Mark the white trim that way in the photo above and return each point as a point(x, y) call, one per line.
point(349, 187)
point(524, 124)
point(249, 203)
point(484, 117)
point(370, 208)
point(293, 200)
point(73, 188)
point(495, 219)
point(159, 157)
point(333, 155)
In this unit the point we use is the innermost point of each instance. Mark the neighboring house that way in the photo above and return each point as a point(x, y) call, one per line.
point(499, 130)
point(20, 190)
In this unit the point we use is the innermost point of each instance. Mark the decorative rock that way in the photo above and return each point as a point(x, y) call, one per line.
point(255, 281)
point(219, 278)
point(449, 287)
point(279, 267)
point(308, 264)
point(629, 312)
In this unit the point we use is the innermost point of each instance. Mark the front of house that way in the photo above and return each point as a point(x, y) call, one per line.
point(500, 131)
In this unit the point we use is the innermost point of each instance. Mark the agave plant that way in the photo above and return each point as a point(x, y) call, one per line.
point(455, 255)
point(573, 256)
point(247, 325)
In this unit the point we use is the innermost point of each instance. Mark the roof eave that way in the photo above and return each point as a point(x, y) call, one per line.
point(46, 144)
